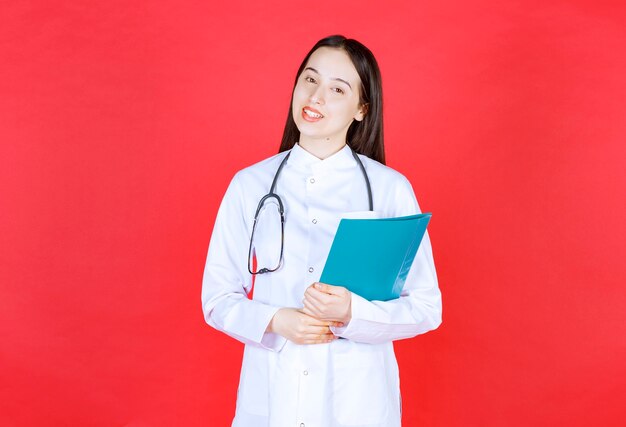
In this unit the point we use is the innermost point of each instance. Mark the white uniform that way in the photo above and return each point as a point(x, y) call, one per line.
point(348, 382)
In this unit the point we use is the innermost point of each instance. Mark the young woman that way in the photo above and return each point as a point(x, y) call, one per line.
point(316, 355)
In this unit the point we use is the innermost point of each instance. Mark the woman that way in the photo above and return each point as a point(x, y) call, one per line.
point(296, 371)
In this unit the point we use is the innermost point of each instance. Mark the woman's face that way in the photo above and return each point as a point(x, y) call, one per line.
point(326, 97)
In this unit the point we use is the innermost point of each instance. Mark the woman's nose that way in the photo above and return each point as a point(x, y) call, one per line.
point(317, 96)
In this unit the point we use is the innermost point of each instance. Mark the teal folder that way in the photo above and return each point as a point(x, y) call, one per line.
point(372, 257)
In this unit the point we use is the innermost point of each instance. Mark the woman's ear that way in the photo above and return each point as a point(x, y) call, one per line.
point(362, 112)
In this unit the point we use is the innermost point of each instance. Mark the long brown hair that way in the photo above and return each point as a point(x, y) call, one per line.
point(365, 136)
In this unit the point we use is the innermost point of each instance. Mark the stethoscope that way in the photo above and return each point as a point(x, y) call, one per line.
point(281, 211)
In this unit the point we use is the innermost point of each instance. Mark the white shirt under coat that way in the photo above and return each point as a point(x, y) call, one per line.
point(348, 382)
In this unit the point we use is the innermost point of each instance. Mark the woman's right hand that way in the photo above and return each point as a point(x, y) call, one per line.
point(301, 328)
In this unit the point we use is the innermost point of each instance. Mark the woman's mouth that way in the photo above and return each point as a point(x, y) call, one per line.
point(311, 115)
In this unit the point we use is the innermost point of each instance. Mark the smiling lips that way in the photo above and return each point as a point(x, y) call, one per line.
point(311, 115)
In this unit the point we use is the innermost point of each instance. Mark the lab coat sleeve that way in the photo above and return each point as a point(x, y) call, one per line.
point(226, 281)
point(418, 310)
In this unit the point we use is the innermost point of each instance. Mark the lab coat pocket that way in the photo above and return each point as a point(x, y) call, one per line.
point(360, 388)
point(253, 379)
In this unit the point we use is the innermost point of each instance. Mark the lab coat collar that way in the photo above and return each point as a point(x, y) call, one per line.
point(301, 158)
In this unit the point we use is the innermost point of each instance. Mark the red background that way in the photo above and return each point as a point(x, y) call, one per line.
point(121, 124)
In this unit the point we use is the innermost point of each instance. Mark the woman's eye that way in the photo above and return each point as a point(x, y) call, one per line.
point(309, 79)
point(338, 90)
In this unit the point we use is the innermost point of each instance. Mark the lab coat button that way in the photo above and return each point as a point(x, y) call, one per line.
point(312, 180)
point(310, 269)
point(305, 373)
point(301, 424)
point(314, 221)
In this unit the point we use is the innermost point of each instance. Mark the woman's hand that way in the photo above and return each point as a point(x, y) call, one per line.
point(301, 328)
point(327, 302)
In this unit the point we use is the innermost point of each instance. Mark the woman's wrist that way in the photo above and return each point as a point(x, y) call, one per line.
point(271, 326)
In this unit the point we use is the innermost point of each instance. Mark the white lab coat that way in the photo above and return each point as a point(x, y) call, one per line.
point(348, 382)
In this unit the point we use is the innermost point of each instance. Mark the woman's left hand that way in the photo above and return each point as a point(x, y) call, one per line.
point(328, 302)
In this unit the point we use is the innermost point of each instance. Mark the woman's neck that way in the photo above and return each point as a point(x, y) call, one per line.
point(321, 149)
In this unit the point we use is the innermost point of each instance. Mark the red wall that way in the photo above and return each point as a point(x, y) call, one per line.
point(121, 124)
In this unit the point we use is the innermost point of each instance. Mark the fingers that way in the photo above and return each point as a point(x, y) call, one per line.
point(314, 315)
point(326, 294)
point(319, 330)
point(315, 335)
point(301, 328)
point(328, 289)
point(310, 342)
point(318, 338)
point(316, 295)
point(310, 308)
point(308, 319)
point(322, 287)
point(316, 301)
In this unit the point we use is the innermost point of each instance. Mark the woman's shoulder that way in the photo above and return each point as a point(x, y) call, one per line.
point(260, 170)
point(383, 172)
point(393, 193)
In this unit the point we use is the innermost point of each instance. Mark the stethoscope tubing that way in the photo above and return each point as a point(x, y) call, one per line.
point(281, 209)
